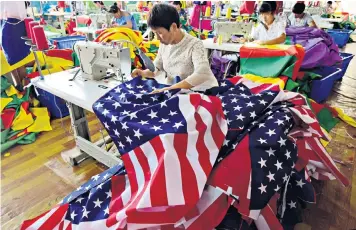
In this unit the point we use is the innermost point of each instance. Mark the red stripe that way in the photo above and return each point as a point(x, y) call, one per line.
point(243, 170)
point(234, 171)
point(213, 215)
point(190, 184)
point(235, 80)
point(264, 87)
point(320, 151)
point(158, 188)
point(216, 131)
point(118, 185)
point(141, 158)
point(55, 218)
point(28, 223)
point(69, 227)
point(259, 52)
point(271, 218)
point(204, 154)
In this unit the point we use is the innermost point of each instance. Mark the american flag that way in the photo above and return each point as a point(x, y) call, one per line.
point(189, 156)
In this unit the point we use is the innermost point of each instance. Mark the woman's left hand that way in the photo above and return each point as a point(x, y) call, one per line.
point(160, 90)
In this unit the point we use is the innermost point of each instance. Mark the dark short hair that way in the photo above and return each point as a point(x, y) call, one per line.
point(298, 8)
point(176, 3)
point(269, 6)
point(114, 8)
point(163, 15)
point(330, 2)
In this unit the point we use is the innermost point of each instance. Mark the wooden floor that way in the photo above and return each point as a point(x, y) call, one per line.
point(34, 177)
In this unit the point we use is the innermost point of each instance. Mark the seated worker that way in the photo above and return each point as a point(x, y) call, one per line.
point(329, 7)
point(181, 12)
point(122, 18)
point(179, 54)
point(269, 31)
point(300, 19)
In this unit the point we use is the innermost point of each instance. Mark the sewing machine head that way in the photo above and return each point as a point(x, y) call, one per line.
point(99, 20)
point(96, 59)
point(227, 29)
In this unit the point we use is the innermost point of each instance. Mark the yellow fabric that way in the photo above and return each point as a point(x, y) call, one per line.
point(6, 68)
point(35, 102)
point(349, 120)
point(5, 102)
point(328, 136)
point(42, 122)
point(265, 80)
point(54, 64)
point(13, 91)
point(22, 120)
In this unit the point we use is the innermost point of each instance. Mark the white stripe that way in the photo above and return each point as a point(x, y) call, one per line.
point(43, 219)
point(173, 174)
point(249, 189)
point(93, 225)
point(254, 214)
point(261, 223)
point(125, 197)
point(208, 136)
point(305, 117)
point(188, 111)
point(325, 152)
point(208, 198)
point(151, 156)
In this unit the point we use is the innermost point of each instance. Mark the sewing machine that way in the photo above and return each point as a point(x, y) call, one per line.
point(96, 59)
point(100, 20)
point(227, 29)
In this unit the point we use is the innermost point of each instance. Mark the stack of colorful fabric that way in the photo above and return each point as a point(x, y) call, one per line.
point(189, 157)
point(19, 123)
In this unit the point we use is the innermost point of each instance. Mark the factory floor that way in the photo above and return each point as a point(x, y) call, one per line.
point(34, 178)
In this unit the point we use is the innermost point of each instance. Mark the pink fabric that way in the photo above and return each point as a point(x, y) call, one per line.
point(194, 18)
point(247, 7)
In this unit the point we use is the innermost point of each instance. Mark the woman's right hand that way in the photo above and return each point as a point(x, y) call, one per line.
point(143, 73)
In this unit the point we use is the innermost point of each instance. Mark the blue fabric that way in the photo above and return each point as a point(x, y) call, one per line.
point(122, 21)
point(13, 46)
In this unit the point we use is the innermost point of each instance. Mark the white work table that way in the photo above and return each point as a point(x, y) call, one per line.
point(80, 94)
point(332, 19)
point(232, 47)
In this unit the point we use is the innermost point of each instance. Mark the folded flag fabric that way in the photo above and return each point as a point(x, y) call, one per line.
point(188, 156)
point(320, 48)
point(19, 122)
point(272, 60)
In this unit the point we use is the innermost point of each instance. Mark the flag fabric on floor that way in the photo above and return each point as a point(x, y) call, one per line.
point(189, 156)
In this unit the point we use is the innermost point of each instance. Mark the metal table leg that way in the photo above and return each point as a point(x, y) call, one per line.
point(83, 141)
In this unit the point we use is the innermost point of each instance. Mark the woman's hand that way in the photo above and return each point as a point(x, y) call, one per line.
point(143, 73)
point(160, 90)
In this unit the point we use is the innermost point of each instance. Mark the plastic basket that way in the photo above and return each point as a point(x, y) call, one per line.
point(321, 89)
point(340, 37)
point(346, 59)
point(49, 100)
point(66, 42)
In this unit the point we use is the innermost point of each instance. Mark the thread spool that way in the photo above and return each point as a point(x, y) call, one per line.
point(40, 37)
point(32, 24)
point(27, 25)
point(218, 12)
point(228, 13)
point(207, 11)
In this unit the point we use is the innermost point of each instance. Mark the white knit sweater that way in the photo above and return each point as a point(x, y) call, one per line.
point(186, 59)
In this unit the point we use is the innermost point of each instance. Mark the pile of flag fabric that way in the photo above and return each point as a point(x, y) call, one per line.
point(19, 123)
point(192, 160)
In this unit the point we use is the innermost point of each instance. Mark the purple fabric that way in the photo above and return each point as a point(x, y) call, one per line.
point(218, 64)
point(320, 48)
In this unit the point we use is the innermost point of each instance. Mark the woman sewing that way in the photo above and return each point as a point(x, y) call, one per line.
point(122, 18)
point(299, 18)
point(179, 54)
point(269, 31)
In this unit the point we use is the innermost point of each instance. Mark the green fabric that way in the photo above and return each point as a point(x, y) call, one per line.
point(5, 146)
point(267, 67)
point(4, 84)
point(4, 134)
point(326, 119)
